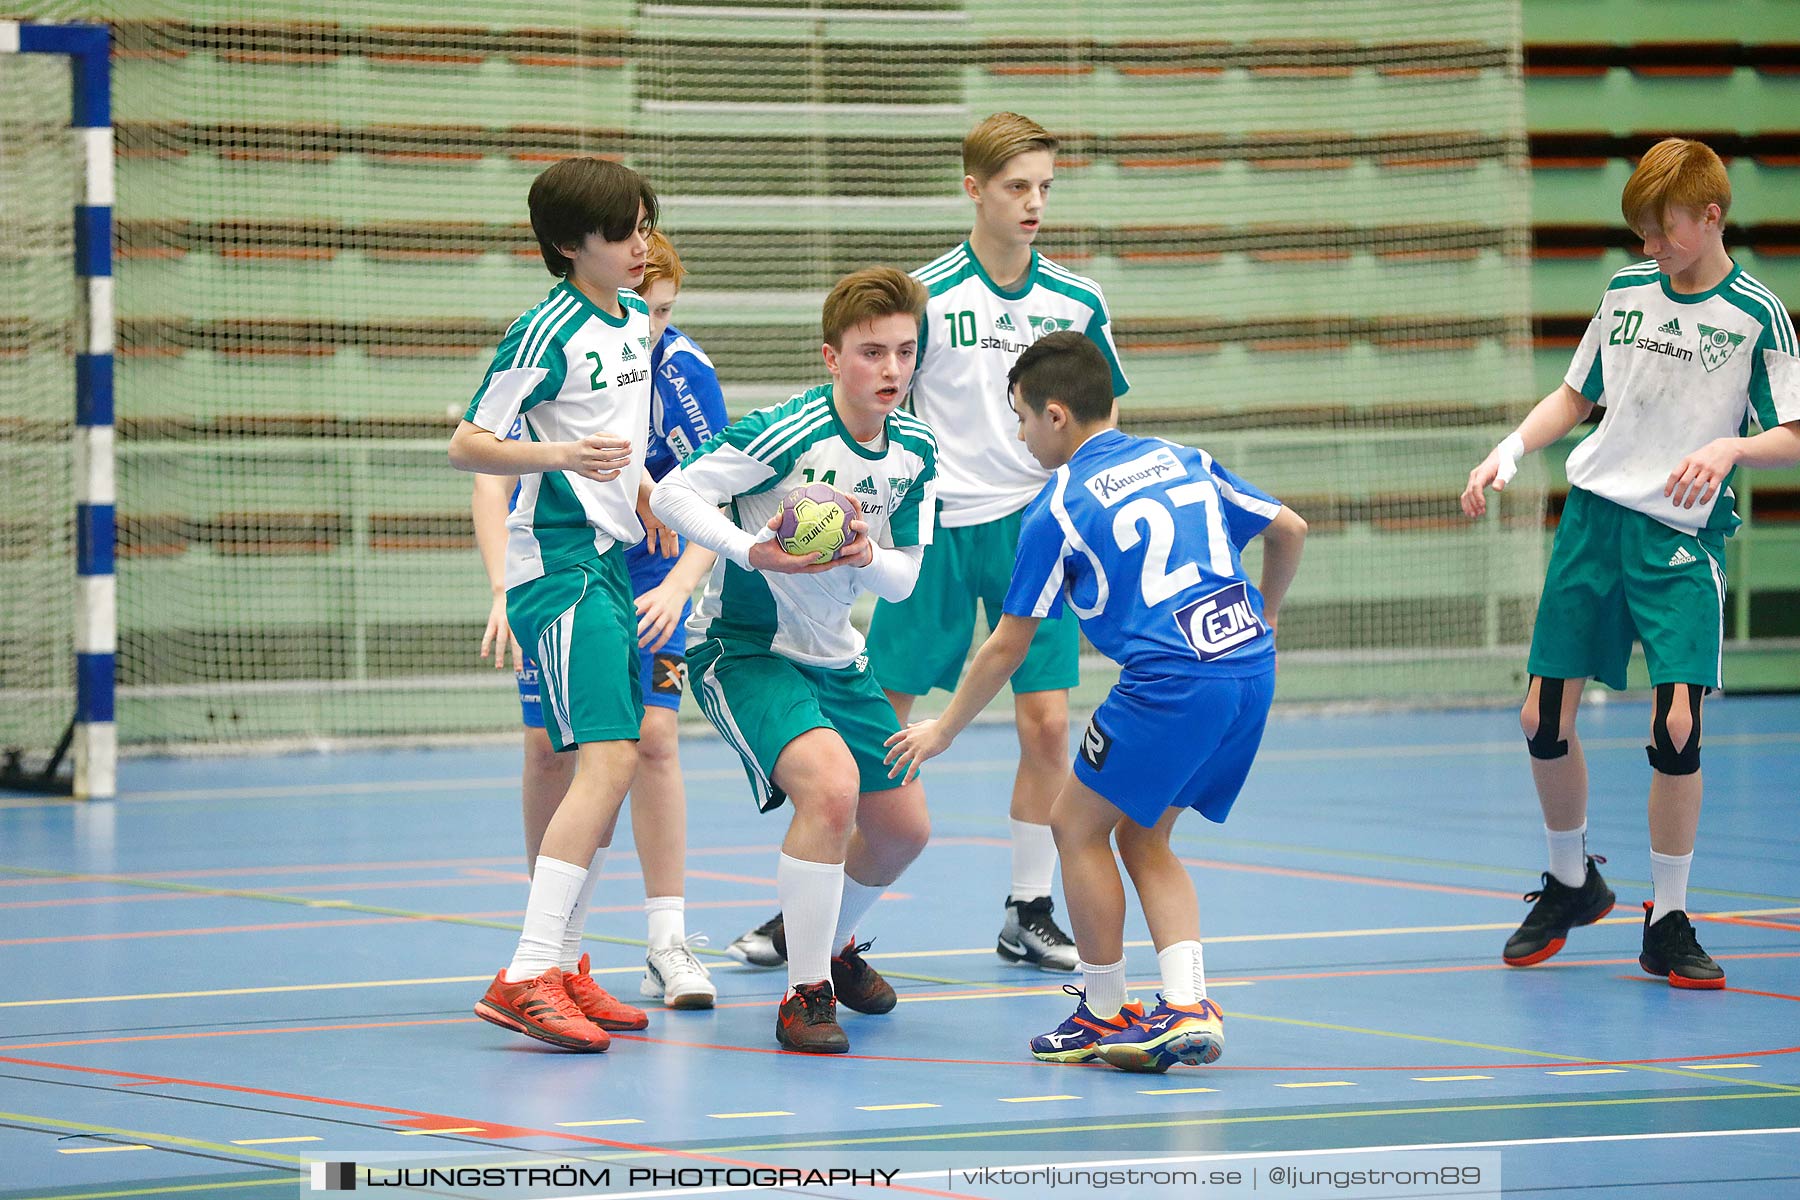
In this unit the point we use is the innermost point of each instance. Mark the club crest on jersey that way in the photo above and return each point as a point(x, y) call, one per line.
point(1115, 483)
point(897, 485)
point(1716, 346)
point(1043, 325)
point(1216, 625)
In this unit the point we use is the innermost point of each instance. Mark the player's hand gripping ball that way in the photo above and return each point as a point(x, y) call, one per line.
point(815, 521)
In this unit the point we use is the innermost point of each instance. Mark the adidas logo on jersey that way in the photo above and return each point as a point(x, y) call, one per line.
point(866, 486)
point(626, 353)
point(1004, 323)
point(1674, 327)
point(1681, 558)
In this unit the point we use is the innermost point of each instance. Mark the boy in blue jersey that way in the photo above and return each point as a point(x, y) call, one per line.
point(1140, 537)
point(686, 409)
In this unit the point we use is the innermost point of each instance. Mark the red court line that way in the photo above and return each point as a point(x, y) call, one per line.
point(1757, 922)
point(417, 1118)
point(1770, 995)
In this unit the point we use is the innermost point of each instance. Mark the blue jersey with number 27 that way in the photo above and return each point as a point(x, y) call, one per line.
point(1140, 537)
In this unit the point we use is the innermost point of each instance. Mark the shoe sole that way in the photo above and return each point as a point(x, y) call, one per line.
point(685, 1000)
point(1556, 944)
point(785, 1044)
point(1683, 982)
point(1022, 957)
point(1195, 1048)
point(1085, 1054)
point(505, 1020)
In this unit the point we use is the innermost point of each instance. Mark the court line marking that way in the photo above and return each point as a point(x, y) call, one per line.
point(893, 1107)
point(606, 1121)
point(1175, 1091)
point(274, 1141)
point(1448, 1078)
point(100, 1149)
point(173, 1189)
point(1033, 1099)
point(1590, 1071)
point(1256, 1119)
point(1318, 1083)
point(1730, 1067)
point(137, 1135)
point(773, 1112)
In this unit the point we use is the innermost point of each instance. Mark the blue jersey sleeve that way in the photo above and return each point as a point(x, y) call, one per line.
point(1247, 509)
point(1039, 570)
point(689, 407)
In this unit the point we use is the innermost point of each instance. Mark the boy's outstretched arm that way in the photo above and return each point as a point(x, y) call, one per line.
point(1556, 414)
point(1699, 475)
point(598, 456)
point(994, 664)
point(1283, 540)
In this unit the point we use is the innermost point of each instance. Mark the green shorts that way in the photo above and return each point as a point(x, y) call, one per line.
point(759, 701)
point(1616, 574)
point(921, 642)
point(580, 625)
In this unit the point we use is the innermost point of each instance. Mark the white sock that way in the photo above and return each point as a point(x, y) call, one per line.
point(811, 894)
point(555, 891)
point(571, 943)
point(1669, 875)
point(1033, 860)
point(858, 899)
point(668, 922)
point(1184, 974)
point(1568, 854)
point(1104, 987)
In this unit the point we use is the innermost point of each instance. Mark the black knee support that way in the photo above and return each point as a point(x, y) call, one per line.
point(1544, 743)
point(1663, 753)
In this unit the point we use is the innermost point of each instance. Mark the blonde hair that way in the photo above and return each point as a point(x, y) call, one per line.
point(661, 262)
point(991, 144)
point(870, 293)
point(1675, 173)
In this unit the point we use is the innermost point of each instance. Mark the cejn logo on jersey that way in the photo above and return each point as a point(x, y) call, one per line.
point(1217, 624)
point(1716, 346)
point(1115, 483)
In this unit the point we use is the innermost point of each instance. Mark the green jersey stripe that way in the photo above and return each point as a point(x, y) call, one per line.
point(930, 276)
point(943, 262)
point(1780, 325)
point(548, 315)
point(536, 346)
point(765, 445)
point(823, 428)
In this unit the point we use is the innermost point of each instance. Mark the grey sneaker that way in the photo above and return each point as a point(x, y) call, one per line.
point(677, 977)
point(764, 946)
point(1031, 936)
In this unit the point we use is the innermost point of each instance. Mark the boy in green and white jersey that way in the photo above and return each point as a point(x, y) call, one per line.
point(1684, 353)
point(774, 660)
point(991, 297)
point(575, 370)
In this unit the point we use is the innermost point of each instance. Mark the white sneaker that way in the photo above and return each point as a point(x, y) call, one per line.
point(679, 978)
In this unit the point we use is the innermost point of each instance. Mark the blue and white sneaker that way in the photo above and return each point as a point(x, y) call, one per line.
point(1073, 1041)
point(1165, 1036)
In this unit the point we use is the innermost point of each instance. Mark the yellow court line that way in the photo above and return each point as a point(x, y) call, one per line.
point(167, 1139)
point(1197, 1122)
point(774, 1112)
point(892, 1107)
point(100, 1149)
point(1318, 1083)
point(1592, 1071)
point(1724, 1067)
point(1447, 1078)
point(1033, 1099)
point(433, 1132)
point(170, 1190)
point(1176, 1091)
point(273, 1141)
point(608, 1121)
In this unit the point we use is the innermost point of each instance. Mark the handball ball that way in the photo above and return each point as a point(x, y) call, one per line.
point(815, 521)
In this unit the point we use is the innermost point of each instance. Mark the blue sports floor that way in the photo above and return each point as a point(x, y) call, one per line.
point(246, 965)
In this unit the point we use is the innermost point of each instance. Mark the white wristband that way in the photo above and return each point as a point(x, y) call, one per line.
point(1510, 450)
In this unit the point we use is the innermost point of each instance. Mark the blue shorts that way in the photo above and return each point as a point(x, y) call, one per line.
point(1175, 741)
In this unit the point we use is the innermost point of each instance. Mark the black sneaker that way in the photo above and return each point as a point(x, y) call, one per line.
point(1559, 908)
point(764, 946)
point(1670, 948)
point(859, 986)
point(807, 1021)
point(1031, 936)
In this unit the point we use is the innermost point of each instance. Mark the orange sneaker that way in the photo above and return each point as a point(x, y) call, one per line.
point(540, 1007)
point(597, 1004)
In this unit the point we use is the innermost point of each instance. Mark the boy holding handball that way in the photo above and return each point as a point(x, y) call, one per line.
point(777, 666)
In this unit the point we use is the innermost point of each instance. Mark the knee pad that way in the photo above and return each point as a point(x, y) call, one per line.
point(1664, 755)
point(1544, 743)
